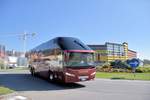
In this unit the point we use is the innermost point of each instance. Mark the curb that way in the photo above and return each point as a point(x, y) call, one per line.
point(122, 80)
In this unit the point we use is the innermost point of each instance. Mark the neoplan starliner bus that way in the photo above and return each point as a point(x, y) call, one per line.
point(64, 59)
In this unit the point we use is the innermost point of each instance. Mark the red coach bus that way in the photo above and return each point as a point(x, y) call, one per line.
point(64, 59)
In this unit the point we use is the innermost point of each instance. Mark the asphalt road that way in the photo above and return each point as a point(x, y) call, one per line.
point(34, 88)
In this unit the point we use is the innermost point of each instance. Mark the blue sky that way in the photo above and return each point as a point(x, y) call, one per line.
point(92, 21)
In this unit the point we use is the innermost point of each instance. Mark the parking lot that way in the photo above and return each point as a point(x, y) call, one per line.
point(34, 88)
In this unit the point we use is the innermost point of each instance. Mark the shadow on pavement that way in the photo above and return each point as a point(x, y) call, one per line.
point(25, 82)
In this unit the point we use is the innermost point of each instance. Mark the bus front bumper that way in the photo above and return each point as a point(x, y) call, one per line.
point(70, 78)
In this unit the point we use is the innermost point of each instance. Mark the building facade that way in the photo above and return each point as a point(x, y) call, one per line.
point(14, 53)
point(132, 54)
point(112, 51)
point(16, 58)
point(2, 51)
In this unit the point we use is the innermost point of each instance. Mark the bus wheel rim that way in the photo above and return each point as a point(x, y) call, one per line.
point(51, 77)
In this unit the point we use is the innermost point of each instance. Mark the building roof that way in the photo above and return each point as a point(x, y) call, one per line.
point(98, 47)
point(113, 43)
point(132, 51)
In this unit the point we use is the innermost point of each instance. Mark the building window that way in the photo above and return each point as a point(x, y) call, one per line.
point(109, 47)
point(115, 50)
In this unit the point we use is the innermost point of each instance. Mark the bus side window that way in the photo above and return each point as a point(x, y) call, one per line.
point(59, 57)
point(34, 60)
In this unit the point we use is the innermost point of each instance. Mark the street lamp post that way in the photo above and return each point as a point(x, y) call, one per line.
point(24, 37)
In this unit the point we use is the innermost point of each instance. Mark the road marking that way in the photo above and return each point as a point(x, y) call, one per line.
point(18, 98)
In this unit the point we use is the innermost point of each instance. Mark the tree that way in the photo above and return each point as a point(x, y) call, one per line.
point(146, 61)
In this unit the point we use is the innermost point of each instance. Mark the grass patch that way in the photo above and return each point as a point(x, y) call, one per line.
point(128, 76)
point(17, 69)
point(4, 90)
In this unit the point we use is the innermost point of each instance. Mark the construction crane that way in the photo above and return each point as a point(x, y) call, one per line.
point(23, 36)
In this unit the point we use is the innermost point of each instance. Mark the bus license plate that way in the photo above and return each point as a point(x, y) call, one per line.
point(83, 78)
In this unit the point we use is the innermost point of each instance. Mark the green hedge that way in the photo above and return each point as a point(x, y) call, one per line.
point(121, 67)
point(143, 70)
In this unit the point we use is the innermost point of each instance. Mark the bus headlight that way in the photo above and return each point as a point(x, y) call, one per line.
point(69, 74)
point(93, 73)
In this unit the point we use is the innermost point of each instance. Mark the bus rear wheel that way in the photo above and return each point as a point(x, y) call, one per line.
point(51, 77)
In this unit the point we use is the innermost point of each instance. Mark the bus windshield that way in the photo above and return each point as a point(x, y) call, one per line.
point(79, 59)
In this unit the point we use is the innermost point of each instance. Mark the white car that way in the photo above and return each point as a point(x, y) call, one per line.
point(12, 66)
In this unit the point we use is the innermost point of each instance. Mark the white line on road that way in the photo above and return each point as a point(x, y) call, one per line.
point(18, 98)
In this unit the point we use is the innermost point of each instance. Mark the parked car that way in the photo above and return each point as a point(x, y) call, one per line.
point(11, 66)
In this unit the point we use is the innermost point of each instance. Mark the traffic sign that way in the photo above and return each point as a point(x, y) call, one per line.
point(134, 62)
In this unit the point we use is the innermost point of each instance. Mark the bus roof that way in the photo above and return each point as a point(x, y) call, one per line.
point(70, 43)
point(64, 43)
